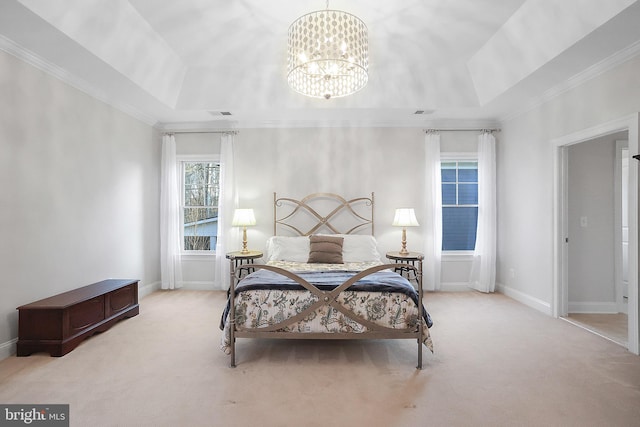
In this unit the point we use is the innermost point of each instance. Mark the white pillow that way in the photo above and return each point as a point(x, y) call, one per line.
point(359, 248)
point(288, 248)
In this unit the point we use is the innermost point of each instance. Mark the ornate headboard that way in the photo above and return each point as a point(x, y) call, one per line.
point(322, 212)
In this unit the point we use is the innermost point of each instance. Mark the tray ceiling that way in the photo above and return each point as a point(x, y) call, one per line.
point(180, 64)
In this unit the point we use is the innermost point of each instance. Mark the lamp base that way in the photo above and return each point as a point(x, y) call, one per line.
point(244, 241)
point(404, 250)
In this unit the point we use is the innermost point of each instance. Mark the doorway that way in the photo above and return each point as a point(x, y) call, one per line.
point(617, 129)
point(594, 217)
point(594, 197)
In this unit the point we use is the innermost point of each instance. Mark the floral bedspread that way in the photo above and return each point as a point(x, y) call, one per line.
point(255, 308)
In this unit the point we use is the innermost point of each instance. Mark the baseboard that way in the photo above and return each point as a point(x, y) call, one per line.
point(191, 286)
point(593, 307)
point(525, 299)
point(455, 287)
point(198, 286)
point(147, 289)
point(8, 349)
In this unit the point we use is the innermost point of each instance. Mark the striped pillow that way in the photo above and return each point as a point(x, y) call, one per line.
point(325, 249)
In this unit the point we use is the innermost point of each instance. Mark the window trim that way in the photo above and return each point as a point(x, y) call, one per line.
point(192, 158)
point(457, 156)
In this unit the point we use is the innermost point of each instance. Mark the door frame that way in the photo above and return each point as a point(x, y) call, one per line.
point(559, 302)
point(620, 145)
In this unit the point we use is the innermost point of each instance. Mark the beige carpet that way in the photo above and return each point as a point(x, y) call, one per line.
point(497, 363)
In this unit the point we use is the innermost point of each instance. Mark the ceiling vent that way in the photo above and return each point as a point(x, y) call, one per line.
point(220, 113)
point(423, 112)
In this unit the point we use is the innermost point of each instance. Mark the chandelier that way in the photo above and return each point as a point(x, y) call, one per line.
point(328, 54)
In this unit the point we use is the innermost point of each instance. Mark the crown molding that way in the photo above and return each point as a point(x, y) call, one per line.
point(38, 62)
point(582, 77)
point(302, 124)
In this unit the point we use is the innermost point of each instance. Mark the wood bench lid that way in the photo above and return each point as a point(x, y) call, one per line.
point(75, 296)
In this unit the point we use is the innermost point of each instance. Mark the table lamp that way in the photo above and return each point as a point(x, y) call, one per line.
point(405, 217)
point(243, 218)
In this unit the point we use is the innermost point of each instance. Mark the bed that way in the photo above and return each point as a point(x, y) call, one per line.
point(324, 279)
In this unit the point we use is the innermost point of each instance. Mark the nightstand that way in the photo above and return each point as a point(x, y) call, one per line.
point(237, 259)
point(413, 259)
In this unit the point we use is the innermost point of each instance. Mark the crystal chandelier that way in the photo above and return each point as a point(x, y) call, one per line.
point(328, 54)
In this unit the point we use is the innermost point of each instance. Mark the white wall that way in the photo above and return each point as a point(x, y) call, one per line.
point(525, 163)
point(351, 162)
point(80, 192)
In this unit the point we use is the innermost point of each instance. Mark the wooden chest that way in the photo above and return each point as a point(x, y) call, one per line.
point(58, 324)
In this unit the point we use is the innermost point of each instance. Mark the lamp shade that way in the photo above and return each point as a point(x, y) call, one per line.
point(243, 218)
point(327, 54)
point(405, 217)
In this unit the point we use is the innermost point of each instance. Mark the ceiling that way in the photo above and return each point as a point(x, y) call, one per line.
point(180, 64)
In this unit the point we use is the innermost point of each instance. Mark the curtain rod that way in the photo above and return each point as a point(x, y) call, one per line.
point(464, 130)
point(232, 132)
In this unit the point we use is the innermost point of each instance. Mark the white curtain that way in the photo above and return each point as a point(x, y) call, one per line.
point(433, 213)
point(227, 202)
point(483, 269)
point(170, 259)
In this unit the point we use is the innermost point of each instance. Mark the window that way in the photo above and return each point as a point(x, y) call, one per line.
point(200, 205)
point(459, 204)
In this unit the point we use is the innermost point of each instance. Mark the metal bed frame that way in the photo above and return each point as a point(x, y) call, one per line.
point(327, 298)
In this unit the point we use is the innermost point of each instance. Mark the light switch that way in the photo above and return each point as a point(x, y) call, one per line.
point(583, 221)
